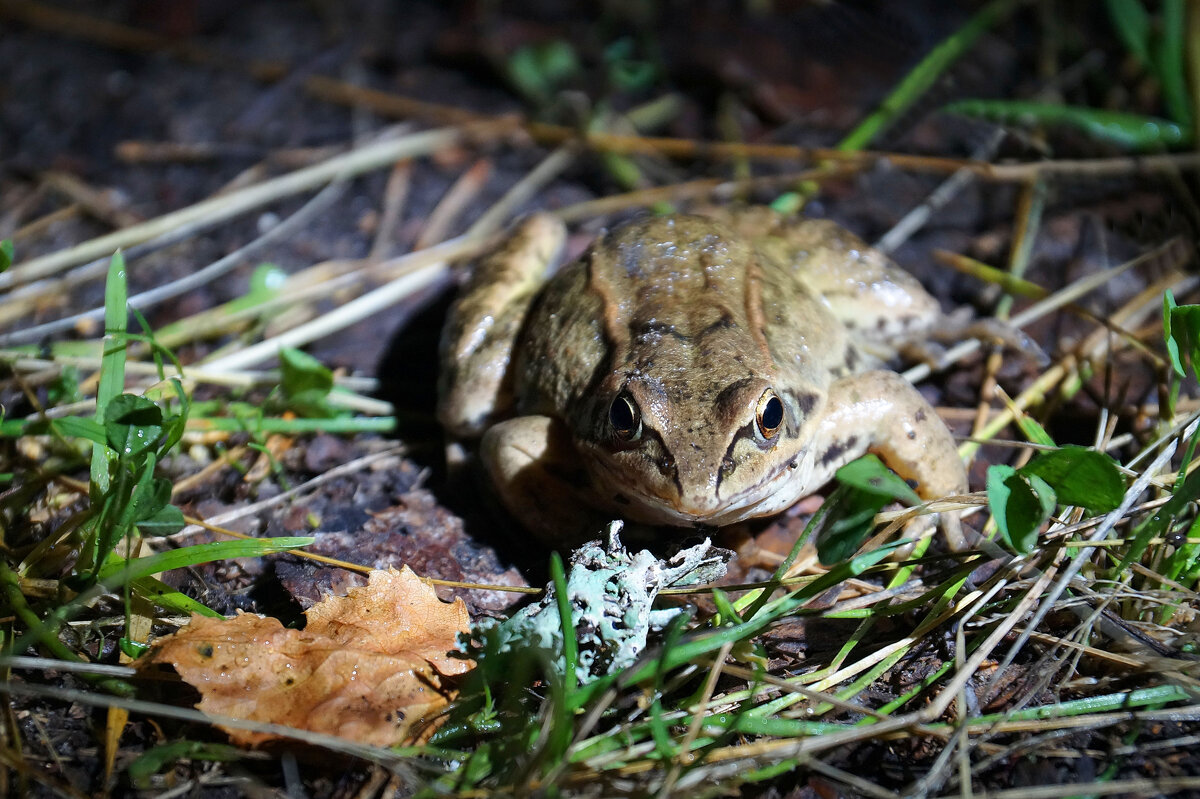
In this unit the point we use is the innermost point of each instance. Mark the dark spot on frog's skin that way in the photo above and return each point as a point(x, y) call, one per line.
point(792, 464)
point(804, 402)
point(653, 330)
point(919, 416)
point(912, 435)
point(837, 449)
point(724, 323)
point(853, 359)
point(731, 391)
point(881, 323)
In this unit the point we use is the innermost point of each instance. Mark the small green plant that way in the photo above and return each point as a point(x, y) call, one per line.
point(865, 486)
point(129, 436)
point(1023, 499)
point(539, 70)
point(306, 384)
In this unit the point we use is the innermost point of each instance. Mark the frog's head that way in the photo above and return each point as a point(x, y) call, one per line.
point(672, 452)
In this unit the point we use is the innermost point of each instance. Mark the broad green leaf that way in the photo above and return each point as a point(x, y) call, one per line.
point(1081, 477)
point(866, 486)
point(306, 383)
point(6, 254)
point(537, 71)
point(1173, 353)
point(132, 424)
point(848, 522)
point(312, 403)
point(870, 475)
point(1183, 336)
point(152, 498)
point(302, 372)
point(1020, 504)
point(165, 521)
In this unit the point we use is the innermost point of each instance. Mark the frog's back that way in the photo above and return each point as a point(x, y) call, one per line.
point(682, 299)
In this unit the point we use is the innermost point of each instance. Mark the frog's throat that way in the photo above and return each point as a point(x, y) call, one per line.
point(776, 491)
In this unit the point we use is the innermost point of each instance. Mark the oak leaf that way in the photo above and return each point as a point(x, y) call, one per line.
point(368, 666)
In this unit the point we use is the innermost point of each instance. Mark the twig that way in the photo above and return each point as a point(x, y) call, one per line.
point(453, 203)
point(394, 196)
point(363, 159)
point(148, 299)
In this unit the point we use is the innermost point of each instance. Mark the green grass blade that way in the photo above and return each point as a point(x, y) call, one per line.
point(118, 572)
point(563, 601)
point(1130, 131)
point(1131, 22)
point(165, 596)
point(918, 81)
point(112, 364)
point(376, 424)
point(1169, 62)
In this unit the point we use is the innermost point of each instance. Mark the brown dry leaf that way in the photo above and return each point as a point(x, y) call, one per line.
point(367, 667)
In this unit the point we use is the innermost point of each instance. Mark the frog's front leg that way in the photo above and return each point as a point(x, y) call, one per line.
point(541, 479)
point(475, 384)
point(881, 413)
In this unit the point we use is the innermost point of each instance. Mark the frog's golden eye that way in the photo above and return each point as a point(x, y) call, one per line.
point(769, 413)
point(624, 419)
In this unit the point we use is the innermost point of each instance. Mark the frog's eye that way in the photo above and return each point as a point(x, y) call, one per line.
point(769, 413)
point(624, 418)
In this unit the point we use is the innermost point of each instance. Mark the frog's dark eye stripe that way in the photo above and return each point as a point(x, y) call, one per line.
point(769, 414)
point(624, 418)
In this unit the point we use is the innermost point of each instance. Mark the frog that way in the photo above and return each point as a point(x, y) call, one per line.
point(688, 371)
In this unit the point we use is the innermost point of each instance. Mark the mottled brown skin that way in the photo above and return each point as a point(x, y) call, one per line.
point(685, 372)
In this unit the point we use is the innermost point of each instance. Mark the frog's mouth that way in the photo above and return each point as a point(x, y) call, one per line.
point(665, 502)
